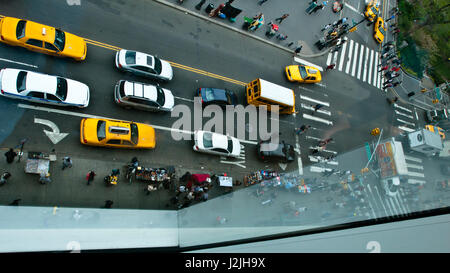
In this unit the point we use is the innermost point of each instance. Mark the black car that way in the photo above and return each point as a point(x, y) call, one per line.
point(220, 97)
point(281, 152)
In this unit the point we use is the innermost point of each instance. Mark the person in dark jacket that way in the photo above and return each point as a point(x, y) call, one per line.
point(10, 155)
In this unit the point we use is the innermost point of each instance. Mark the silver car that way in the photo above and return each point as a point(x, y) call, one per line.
point(144, 65)
point(143, 96)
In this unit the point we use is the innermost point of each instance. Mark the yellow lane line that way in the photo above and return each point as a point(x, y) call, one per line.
point(89, 41)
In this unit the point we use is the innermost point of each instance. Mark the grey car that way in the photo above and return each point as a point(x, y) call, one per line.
point(143, 65)
point(143, 96)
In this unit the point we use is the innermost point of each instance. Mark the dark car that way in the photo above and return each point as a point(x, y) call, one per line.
point(220, 97)
point(281, 152)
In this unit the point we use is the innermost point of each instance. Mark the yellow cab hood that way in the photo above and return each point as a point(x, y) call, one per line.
point(75, 47)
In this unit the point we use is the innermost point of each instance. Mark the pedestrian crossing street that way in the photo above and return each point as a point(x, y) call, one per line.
point(357, 61)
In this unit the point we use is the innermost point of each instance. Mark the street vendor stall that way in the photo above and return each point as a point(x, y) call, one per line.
point(39, 163)
point(260, 176)
point(160, 176)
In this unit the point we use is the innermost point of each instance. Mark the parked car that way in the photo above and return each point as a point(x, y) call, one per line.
point(218, 144)
point(41, 38)
point(117, 134)
point(217, 96)
point(43, 88)
point(143, 96)
point(143, 65)
point(281, 152)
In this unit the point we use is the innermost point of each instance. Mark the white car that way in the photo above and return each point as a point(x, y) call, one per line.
point(218, 144)
point(143, 96)
point(43, 88)
point(143, 64)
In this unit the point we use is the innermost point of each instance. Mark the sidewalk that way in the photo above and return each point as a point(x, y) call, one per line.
point(296, 31)
point(68, 187)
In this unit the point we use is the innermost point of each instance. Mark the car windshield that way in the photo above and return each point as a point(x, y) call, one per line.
point(130, 57)
point(160, 99)
point(302, 70)
point(374, 10)
point(20, 30)
point(134, 133)
point(209, 94)
point(101, 130)
point(207, 140)
point(381, 29)
point(230, 145)
point(61, 88)
point(158, 65)
point(60, 39)
point(21, 81)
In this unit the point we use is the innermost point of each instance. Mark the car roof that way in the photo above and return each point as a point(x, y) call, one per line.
point(113, 126)
point(41, 82)
point(275, 149)
point(36, 31)
point(219, 94)
point(141, 59)
point(140, 90)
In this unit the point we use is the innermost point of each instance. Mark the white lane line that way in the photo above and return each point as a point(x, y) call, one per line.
point(375, 71)
point(409, 165)
point(408, 157)
point(314, 138)
point(341, 61)
point(403, 114)
point(355, 57)
point(366, 59)
point(369, 78)
point(314, 100)
point(306, 116)
point(416, 174)
point(350, 51)
point(63, 112)
point(361, 54)
point(403, 108)
point(409, 123)
point(298, 60)
point(415, 181)
point(180, 98)
point(309, 107)
point(11, 61)
point(409, 130)
point(330, 55)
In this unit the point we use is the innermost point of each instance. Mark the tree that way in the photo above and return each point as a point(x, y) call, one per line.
point(436, 16)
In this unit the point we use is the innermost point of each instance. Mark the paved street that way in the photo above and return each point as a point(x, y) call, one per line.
point(217, 53)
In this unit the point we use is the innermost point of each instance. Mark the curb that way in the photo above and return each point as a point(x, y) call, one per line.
point(186, 11)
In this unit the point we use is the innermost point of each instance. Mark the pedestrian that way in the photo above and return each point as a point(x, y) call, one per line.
point(317, 150)
point(290, 44)
point(318, 106)
point(318, 7)
point(281, 37)
point(90, 176)
point(150, 188)
point(390, 18)
point(395, 75)
point(205, 195)
point(394, 10)
point(384, 68)
point(298, 49)
point(108, 204)
point(4, 178)
point(395, 31)
point(190, 196)
point(394, 100)
point(395, 69)
point(280, 19)
point(387, 86)
point(388, 44)
point(325, 142)
point(396, 83)
point(327, 26)
point(44, 178)
point(302, 129)
point(262, 2)
point(388, 81)
point(67, 162)
point(330, 67)
point(15, 202)
point(312, 6)
point(342, 21)
point(216, 12)
point(10, 155)
point(397, 62)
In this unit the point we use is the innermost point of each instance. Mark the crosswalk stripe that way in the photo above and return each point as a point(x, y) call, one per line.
point(415, 166)
point(409, 130)
point(341, 62)
point(309, 107)
point(416, 174)
point(350, 51)
point(366, 59)
point(403, 114)
point(403, 108)
point(329, 58)
point(409, 123)
point(306, 116)
point(375, 72)
point(408, 157)
point(355, 57)
point(315, 101)
point(393, 207)
point(369, 76)
point(415, 181)
point(361, 54)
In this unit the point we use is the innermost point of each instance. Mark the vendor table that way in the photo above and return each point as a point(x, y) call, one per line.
point(225, 181)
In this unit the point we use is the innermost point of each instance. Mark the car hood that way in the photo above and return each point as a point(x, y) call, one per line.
point(236, 147)
point(169, 99)
point(166, 70)
point(295, 72)
point(147, 138)
point(77, 93)
point(75, 46)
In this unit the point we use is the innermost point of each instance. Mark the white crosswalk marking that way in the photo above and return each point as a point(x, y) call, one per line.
point(366, 59)
point(361, 54)
point(375, 72)
point(350, 51)
point(370, 67)
point(408, 157)
point(355, 57)
point(341, 62)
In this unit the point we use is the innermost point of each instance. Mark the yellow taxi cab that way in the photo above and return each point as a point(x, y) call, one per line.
point(371, 11)
point(436, 129)
point(41, 38)
point(303, 73)
point(117, 134)
point(379, 30)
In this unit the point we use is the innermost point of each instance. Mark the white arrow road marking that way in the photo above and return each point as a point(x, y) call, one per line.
point(282, 166)
point(234, 163)
point(55, 136)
